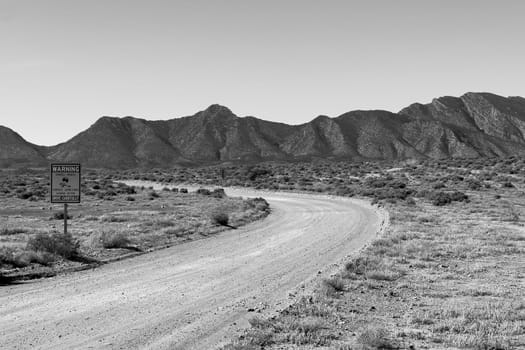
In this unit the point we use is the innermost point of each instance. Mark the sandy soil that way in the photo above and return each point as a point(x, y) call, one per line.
point(192, 296)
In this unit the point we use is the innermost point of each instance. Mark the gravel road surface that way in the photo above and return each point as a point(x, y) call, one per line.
point(192, 296)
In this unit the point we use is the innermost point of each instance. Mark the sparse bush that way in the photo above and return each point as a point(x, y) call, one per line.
point(12, 231)
point(153, 194)
point(112, 240)
point(113, 218)
point(376, 338)
point(9, 256)
point(59, 244)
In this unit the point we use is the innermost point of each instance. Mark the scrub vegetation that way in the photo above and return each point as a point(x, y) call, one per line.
point(448, 273)
point(113, 220)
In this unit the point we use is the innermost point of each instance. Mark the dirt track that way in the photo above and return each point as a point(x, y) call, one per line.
point(191, 296)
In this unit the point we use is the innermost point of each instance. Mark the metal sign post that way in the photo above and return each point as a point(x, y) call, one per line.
point(65, 185)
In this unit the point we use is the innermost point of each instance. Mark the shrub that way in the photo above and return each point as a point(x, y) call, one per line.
point(111, 240)
point(203, 191)
point(440, 198)
point(220, 219)
point(459, 196)
point(376, 338)
point(183, 190)
point(9, 256)
point(58, 244)
point(60, 216)
point(258, 203)
point(218, 193)
point(153, 194)
point(25, 195)
point(330, 286)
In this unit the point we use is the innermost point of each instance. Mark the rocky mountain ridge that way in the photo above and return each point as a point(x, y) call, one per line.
point(473, 125)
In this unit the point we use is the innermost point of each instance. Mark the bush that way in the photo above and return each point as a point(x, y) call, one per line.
point(203, 191)
point(218, 193)
point(220, 219)
point(376, 338)
point(60, 216)
point(258, 203)
point(58, 244)
point(111, 240)
point(330, 286)
point(9, 256)
point(25, 195)
point(153, 194)
point(440, 198)
point(183, 190)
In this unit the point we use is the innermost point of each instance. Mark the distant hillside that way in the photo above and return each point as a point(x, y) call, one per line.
point(15, 151)
point(473, 125)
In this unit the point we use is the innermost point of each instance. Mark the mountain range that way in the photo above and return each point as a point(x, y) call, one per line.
point(473, 125)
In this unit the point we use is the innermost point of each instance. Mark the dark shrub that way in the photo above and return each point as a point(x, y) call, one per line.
point(203, 191)
point(183, 190)
point(253, 173)
point(130, 198)
point(153, 194)
point(220, 219)
point(25, 195)
point(459, 196)
point(440, 198)
point(258, 203)
point(218, 193)
point(438, 185)
point(507, 184)
point(60, 216)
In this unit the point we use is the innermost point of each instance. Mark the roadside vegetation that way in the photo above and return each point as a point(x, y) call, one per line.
point(449, 272)
point(113, 220)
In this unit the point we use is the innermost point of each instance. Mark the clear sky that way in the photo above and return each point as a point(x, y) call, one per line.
point(65, 63)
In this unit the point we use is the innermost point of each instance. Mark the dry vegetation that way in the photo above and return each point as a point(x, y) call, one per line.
point(449, 273)
point(113, 220)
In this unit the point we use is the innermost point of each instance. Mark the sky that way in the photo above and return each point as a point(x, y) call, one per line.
point(66, 63)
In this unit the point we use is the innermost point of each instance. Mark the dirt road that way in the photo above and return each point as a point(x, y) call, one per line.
point(195, 295)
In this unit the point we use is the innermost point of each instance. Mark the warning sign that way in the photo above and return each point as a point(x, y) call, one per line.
point(65, 183)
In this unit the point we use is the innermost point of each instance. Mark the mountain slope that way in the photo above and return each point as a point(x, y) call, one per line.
point(473, 125)
point(15, 151)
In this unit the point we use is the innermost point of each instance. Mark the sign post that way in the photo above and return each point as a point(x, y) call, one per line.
point(65, 185)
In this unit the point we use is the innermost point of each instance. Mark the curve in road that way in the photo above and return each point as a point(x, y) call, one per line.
point(191, 296)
